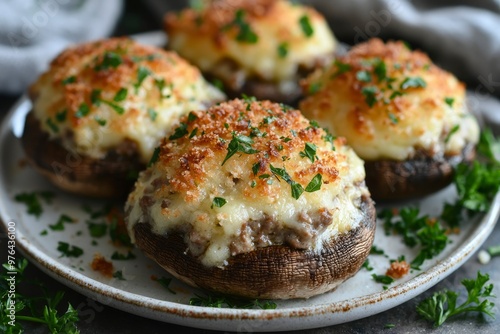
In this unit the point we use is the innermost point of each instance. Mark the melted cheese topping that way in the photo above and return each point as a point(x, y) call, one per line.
point(218, 33)
point(389, 102)
point(183, 190)
point(97, 95)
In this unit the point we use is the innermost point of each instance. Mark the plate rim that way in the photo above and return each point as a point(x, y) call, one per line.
point(218, 318)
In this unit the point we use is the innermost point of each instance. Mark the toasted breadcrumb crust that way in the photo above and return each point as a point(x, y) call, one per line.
point(390, 102)
point(227, 203)
point(257, 39)
point(99, 94)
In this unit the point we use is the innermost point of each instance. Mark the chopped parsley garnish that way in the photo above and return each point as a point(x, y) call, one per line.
point(69, 80)
point(370, 94)
point(367, 265)
point(95, 96)
point(122, 257)
point(393, 118)
point(59, 225)
point(313, 124)
point(415, 82)
point(109, 60)
point(160, 83)
point(119, 275)
point(218, 83)
point(218, 202)
point(193, 133)
point(192, 117)
point(285, 139)
point(283, 50)
point(488, 145)
point(395, 94)
point(120, 95)
point(380, 70)
point(50, 123)
point(61, 116)
point(82, 111)
point(314, 88)
point(305, 25)
point(154, 157)
point(100, 121)
point(453, 130)
point(165, 282)
point(68, 250)
point(315, 184)
point(152, 114)
point(179, 132)
point(364, 76)
point(449, 101)
point(377, 251)
point(256, 168)
point(442, 305)
point(245, 32)
point(382, 279)
point(97, 230)
point(494, 250)
point(241, 144)
point(341, 68)
point(33, 205)
point(309, 152)
point(142, 73)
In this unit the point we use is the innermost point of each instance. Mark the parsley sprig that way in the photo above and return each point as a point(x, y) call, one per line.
point(42, 310)
point(239, 143)
point(443, 305)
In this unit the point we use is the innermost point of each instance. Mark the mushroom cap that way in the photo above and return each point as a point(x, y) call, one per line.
point(274, 272)
point(261, 48)
point(247, 178)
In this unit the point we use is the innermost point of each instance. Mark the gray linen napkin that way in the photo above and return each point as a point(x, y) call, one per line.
point(32, 32)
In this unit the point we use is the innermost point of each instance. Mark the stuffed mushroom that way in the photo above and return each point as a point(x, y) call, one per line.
point(407, 118)
point(261, 48)
point(250, 199)
point(101, 109)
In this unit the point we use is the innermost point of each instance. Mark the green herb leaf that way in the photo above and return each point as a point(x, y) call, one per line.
point(370, 93)
point(256, 168)
point(68, 80)
point(314, 87)
point(442, 305)
point(120, 95)
point(449, 101)
point(179, 132)
point(488, 145)
point(305, 25)
point(109, 60)
point(68, 250)
point(83, 110)
point(152, 114)
point(50, 123)
point(97, 230)
point(382, 279)
point(61, 116)
point(341, 68)
point(119, 275)
point(34, 207)
point(142, 73)
point(413, 82)
point(155, 157)
point(100, 121)
point(315, 184)
point(122, 257)
point(165, 282)
point(453, 130)
point(367, 265)
point(283, 50)
point(380, 70)
point(59, 225)
point(309, 152)
point(241, 144)
point(218, 202)
point(393, 118)
point(245, 32)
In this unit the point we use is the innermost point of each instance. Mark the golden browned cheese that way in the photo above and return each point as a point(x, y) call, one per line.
point(264, 39)
point(97, 95)
point(242, 162)
point(389, 102)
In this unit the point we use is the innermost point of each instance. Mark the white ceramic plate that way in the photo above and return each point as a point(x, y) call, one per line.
point(357, 298)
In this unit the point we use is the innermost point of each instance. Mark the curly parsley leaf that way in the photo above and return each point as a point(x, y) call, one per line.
point(443, 305)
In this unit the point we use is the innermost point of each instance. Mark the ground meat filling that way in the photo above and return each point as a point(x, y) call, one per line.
point(268, 231)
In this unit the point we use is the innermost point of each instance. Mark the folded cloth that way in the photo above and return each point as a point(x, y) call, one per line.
point(32, 32)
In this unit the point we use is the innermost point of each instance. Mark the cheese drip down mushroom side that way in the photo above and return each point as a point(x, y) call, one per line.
point(403, 115)
point(250, 198)
point(101, 109)
point(261, 48)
